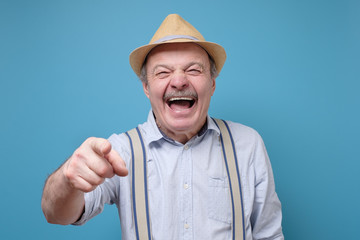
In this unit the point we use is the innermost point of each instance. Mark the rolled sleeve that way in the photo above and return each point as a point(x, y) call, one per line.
point(92, 207)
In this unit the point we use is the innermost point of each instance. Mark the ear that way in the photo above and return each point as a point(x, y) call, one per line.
point(213, 86)
point(146, 89)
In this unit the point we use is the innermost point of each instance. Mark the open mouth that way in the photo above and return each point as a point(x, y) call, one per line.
point(180, 103)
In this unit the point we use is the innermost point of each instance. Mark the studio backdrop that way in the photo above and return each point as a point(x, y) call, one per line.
point(292, 73)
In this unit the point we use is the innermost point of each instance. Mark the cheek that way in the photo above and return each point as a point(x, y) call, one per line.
point(206, 91)
point(155, 95)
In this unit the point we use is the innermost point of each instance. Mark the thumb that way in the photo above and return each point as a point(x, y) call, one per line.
point(117, 163)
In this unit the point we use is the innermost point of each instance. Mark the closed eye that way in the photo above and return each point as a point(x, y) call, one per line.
point(194, 71)
point(195, 68)
point(162, 74)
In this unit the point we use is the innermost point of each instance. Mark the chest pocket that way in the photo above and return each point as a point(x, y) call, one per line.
point(219, 204)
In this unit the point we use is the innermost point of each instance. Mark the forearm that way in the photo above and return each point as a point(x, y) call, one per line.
point(61, 203)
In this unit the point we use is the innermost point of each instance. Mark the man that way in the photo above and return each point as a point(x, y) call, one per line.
point(187, 180)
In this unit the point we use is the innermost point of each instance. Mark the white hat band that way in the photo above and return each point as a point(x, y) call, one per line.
point(171, 37)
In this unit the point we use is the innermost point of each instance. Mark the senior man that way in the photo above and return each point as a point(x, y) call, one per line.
point(199, 177)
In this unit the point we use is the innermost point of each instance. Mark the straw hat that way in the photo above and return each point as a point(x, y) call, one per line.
point(175, 29)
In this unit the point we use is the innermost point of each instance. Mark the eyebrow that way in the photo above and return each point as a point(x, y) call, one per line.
point(171, 68)
point(159, 66)
point(195, 63)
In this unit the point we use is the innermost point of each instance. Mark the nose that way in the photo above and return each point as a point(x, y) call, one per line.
point(179, 81)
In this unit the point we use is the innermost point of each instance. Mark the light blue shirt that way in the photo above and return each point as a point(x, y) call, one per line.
point(188, 186)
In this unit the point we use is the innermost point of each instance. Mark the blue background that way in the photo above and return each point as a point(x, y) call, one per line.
point(292, 73)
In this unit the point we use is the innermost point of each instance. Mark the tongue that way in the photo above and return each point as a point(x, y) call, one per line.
point(180, 105)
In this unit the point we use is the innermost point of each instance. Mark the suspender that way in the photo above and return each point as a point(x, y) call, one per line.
point(227, 142)
point(140, 203)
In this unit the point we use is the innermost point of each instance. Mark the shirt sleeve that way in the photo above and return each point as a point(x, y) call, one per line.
point(266, 216)
point(96, 199)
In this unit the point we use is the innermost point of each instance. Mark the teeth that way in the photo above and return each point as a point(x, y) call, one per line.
point(180, 98)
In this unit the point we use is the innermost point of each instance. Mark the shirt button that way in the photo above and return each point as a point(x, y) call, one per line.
point(186, 226)
point(186, 147)
point(186, 186)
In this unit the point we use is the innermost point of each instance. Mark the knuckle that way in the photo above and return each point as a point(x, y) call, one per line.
point(69, 175)
point(90, 139)
point(70, 170)
point(73, 167)
point(79, 154)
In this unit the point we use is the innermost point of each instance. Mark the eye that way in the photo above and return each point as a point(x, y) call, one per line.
point(162, 74)
point(194, 71)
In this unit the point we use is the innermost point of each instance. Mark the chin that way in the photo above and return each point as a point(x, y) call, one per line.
point(183, 125)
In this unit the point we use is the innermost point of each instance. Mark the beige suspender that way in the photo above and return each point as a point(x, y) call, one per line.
point(230, 160)
point(141, 216)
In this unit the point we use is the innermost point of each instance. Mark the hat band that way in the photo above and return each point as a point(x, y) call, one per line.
point(172, 37)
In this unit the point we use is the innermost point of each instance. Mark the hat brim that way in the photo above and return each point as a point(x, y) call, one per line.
point(217, 52)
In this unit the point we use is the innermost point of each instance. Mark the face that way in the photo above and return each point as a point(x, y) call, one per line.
point(179, 88)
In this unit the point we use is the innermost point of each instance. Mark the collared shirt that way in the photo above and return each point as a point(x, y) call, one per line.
point(188, 187)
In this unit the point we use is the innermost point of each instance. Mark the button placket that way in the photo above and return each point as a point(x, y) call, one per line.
point(187, 192)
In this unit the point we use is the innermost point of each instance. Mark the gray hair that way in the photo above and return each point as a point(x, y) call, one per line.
point(213, 72)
